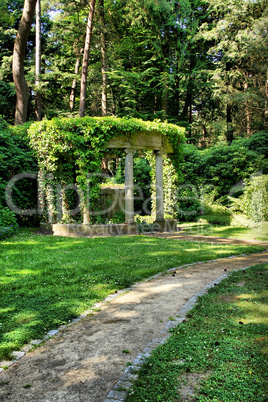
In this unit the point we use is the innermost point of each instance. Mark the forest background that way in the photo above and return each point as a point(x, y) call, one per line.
point(198, 64)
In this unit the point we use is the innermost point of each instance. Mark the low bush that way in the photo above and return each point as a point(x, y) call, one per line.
point(119, 217)
point(218, 215)
point(7, 231)
point(189, 204)
point(242, 221)
point(16, 156)
point(7, 217)
point(145, 223)
point(254, 201)
point(8, 223)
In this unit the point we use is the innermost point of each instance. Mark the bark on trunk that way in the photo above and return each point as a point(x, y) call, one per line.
point(229, 134)
point(266, 102)
point(18, 61)
point(104, 66)
point(72, 95)
point(38, 110)
point(82, 106)
point(248, 117)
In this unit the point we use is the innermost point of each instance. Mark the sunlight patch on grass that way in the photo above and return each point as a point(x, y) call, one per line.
point(223, 343)
point(52, 280)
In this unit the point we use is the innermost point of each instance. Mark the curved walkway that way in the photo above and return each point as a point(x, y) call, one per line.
point(84, 361)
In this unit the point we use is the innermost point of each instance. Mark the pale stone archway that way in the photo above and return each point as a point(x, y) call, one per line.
point(142, 140)
point(153, 141)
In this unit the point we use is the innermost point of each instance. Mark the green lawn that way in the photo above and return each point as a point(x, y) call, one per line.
point(205, 229)
point(46, 281)
point(221, 350)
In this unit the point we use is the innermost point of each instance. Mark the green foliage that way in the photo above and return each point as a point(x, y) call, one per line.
point(16, 156)
point(72, 149)
point(142, 185)
point(119, 217)
point(220, 348)
point(258, 143)
point(241, 221)
point(218, 215)
point(7, 231)
point(7, 217)
point(189, 204)
point(220, 167)
point(50, 280)
point(8, 223)
point(145, 223)
point(216, 172)
point(214, 212)
point(254, 201)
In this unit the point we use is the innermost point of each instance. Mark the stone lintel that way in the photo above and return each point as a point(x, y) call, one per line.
point(148, 140)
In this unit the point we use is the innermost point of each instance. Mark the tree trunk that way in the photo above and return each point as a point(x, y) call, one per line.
point(72, 95)
point(229, 134)
point(82, 106)
point(248, 117)
point(18, 61)
point(38, 110)
point(104, 66)
point(266, 102)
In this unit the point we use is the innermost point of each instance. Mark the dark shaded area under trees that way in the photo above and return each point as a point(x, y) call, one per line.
point(200, 64)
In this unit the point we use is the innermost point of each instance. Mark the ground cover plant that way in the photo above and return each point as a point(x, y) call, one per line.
point(46, 281)
point(220, 350)
point(245, 233)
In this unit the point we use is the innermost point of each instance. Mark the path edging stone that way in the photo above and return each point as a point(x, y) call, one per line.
point(126, 380)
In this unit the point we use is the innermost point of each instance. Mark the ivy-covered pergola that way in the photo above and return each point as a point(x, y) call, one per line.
point(71, 150)
point(142, 140)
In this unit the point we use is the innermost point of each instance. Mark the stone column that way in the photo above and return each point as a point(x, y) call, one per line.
point(129, 197)
point(159, 186)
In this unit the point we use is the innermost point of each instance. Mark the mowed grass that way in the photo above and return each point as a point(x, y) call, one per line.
point(220, 351)
point(202, 228)
point(46, 281)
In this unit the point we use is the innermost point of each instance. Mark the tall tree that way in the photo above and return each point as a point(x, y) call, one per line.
point(104, 66)
point(18, 61)
point(83, 90)
point(38, 60)
point(239, 31)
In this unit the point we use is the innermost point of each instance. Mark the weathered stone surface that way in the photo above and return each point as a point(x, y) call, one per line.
point(18, 355)
point(153, 141)
point(73, 230)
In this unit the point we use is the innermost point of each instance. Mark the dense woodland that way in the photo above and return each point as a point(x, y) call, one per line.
point(199, 64)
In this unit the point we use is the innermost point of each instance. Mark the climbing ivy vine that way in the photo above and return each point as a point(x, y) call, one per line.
point(70, 150)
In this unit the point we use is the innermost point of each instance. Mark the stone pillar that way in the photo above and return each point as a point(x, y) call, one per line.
point(129, 197)
point(159, 186)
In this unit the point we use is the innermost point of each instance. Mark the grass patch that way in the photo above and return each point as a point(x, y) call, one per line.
point(206, 229)
point(46, 281)
point(220, 352)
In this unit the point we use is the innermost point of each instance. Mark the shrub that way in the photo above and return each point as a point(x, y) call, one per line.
point(7, 217)
point(7, 231)
point(218, 215)
point(258, 143)
point(145, 223)
point(8, 223)
point(255, 198)
point(241, 221)
point(119, 217)
point(16, 156)
point(221, 166)
point(189, 205)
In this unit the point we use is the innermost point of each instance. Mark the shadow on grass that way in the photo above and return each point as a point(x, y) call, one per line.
point(46, 281)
